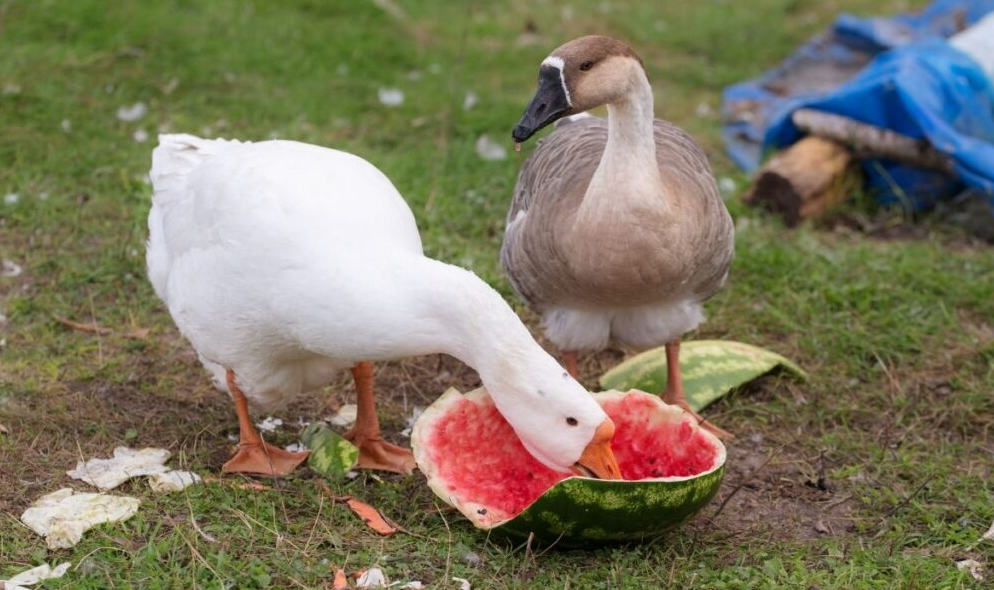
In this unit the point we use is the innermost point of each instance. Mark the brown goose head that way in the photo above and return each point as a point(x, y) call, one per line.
point(585, 73)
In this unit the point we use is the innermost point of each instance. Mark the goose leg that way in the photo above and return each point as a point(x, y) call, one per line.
point(674, 393)
point(374, 452)
point(254, 455)
point(571, 362)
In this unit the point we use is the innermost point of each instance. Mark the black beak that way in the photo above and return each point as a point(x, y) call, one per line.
point(549, 103)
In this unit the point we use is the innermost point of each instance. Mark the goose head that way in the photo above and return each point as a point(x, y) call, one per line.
point(557, 420)
point(582, 74)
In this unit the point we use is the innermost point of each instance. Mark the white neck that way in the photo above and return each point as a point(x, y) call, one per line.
point(457, 313)
point(628, 169)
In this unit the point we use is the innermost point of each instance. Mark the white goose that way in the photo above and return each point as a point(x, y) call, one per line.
point(283, 262)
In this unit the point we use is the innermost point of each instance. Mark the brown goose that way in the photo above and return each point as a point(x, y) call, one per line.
point(617, 230)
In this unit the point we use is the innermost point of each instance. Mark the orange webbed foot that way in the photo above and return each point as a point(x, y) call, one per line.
point(264, 459)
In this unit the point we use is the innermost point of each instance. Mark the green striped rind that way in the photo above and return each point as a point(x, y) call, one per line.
point(582, 511)
point(331, 455)
point(710, 369)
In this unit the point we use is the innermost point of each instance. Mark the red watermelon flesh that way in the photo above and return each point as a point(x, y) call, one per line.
point(475, 451)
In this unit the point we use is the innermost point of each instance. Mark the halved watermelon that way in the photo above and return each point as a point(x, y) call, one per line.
point(475, 463)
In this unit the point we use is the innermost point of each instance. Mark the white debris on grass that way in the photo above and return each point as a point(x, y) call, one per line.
point(35, 575)
point(132, 113)
point(140, 135)
point(470, 101)
point(411, 420)
point(490, 150)
point(412, 585)
point(989, 535)
point(727, 186)
point(11, 198)
point(345, 417)
point(974, 567)
point(269, 424)
point(296, 447)
point(66, 125)
point(63, 516)
point(372, 578)
point(391, 97)
point(11, 89)
point(10, 269)
point(107, 474)
point(170, 86)
point(172, 481)
point(463, 583)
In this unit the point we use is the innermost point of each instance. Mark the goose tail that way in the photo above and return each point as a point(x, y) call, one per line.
point(175, 157)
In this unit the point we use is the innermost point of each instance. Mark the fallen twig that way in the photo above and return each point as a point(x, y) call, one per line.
point(93, 328)
point(910, 497)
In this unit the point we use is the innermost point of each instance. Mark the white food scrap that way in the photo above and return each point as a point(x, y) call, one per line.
point(107, 474)
point(34, 575)
point(63, 516)
point(345, 417)
point(172, 481)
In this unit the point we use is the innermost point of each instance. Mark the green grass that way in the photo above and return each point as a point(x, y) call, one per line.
point(897, 335)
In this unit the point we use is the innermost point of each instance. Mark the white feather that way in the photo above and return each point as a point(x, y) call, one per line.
point(638, 327)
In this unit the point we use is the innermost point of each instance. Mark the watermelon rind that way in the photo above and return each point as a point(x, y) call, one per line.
point(582, 511)
point(710, 369)
point(331, 455)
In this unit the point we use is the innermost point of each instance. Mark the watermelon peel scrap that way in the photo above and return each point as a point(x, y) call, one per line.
point(475, 463)
point(710, 369)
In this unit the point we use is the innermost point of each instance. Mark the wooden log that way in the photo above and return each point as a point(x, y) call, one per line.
point(870, 141)
point(805, 180)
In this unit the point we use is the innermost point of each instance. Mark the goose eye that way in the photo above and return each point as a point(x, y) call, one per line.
point(586, 65)
point(571, 421)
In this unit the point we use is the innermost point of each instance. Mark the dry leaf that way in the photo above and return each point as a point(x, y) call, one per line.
point(341, 582)
point(371, 516)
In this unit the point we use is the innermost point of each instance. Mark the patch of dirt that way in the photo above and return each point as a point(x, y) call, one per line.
point(775, 491)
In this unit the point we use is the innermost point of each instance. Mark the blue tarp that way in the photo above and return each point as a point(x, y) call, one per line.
point(896, 73)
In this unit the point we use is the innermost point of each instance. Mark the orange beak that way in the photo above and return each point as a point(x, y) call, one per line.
point(597, 459)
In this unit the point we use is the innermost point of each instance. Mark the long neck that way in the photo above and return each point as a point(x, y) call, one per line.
point(464, 317)
point(628, 168)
